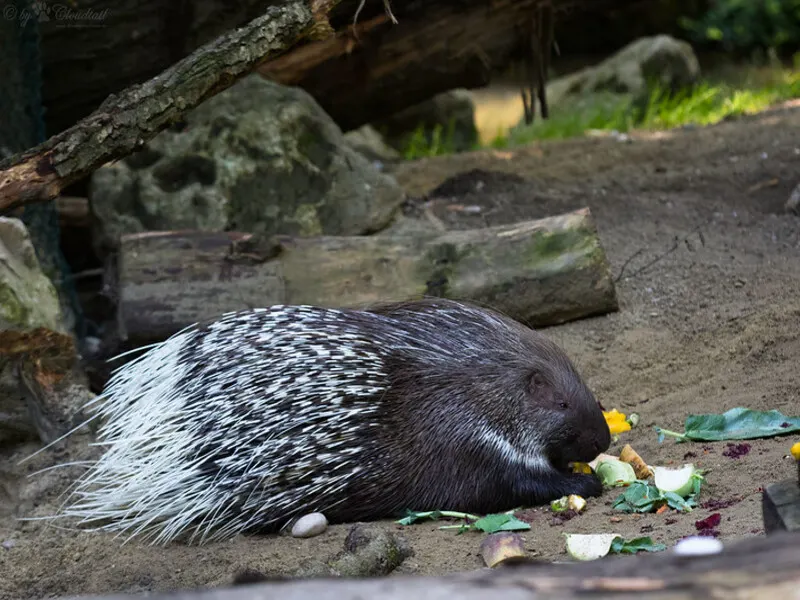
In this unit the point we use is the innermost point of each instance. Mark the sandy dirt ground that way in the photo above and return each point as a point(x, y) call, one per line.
point(712, 323)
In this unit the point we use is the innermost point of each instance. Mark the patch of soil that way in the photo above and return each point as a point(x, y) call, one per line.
point(710, 306)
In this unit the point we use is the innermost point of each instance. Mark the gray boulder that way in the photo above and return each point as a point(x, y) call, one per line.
point(663, 59)
point(258, 157)
point(28, 298)
point(367, 141)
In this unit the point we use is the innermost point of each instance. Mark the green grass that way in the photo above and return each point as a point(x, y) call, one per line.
point(420, 145)
point(729, 94)
point(705, 104)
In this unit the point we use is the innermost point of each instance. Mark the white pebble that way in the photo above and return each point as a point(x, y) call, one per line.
point(309, 525)
point(698, 546)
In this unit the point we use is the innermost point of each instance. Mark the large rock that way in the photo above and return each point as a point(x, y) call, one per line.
point(367, 141)
point(663, 59)
point(258, 157)
point(451, 113)
point(28, 303)
point(28, 298)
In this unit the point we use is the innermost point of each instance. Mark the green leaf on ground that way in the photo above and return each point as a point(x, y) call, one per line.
point(735, 424)
point(488, 524)
point(500, 522)
point(641, 544)
point(414, 516)
point(643, 497)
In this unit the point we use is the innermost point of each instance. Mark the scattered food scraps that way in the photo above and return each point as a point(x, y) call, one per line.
point(488, 524)
point(709, 522)
point(617, 422)
point(708, 526)
point(736, 450)
point(735, 424)
point(413, 517)
point(615, 473)
point(676, 488)
point(493, 523)
point(642, 497)
point(600, 458)
point(593, 546)
point(580, 467)
point(571, 502)
point(720, 504)
point(684, 481)
point(795, 451)
point(630, 456)
point(500, 547)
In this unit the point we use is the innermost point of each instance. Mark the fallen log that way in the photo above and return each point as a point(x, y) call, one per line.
point(541, 272)
point(767, 567)
point(122, 124)
point(141, 38)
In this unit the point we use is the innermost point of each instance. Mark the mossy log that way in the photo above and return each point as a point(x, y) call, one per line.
point(541, 272)
point(766, 567)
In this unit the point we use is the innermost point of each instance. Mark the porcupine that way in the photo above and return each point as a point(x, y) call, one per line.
point(245, 423)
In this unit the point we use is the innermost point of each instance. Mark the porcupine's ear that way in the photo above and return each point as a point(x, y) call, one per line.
point(536, 382)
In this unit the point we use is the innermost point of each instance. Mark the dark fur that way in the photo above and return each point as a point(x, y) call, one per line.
point(474, 412)
point(423, 454)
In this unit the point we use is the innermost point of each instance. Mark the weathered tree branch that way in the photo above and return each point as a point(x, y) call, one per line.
point(126, 121)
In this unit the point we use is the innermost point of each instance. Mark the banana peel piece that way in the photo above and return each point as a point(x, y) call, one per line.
point(499, 547)
point(630, 456)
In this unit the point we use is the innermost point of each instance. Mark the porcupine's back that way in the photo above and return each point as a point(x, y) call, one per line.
point(242, 424)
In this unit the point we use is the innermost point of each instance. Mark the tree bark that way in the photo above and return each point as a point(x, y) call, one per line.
point(751, 569)
point(123, 123)
point(541, 272)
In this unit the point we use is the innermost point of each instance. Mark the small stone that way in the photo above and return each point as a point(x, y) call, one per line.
point(698, 546)
point(8, 544)
point(309, 525)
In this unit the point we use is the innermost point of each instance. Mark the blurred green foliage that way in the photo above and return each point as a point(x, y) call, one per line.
point(707, 103)
point(747, 25)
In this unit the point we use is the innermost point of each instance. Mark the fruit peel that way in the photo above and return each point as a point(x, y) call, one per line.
point(497, 548)
point(617, 421)
point(584, 546)
point(796, 451)
point(615, 473)
point(679, 481)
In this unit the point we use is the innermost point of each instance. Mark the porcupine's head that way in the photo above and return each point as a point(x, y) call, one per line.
point(517, 389)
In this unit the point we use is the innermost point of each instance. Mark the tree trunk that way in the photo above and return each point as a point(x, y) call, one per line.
point(541, 272)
